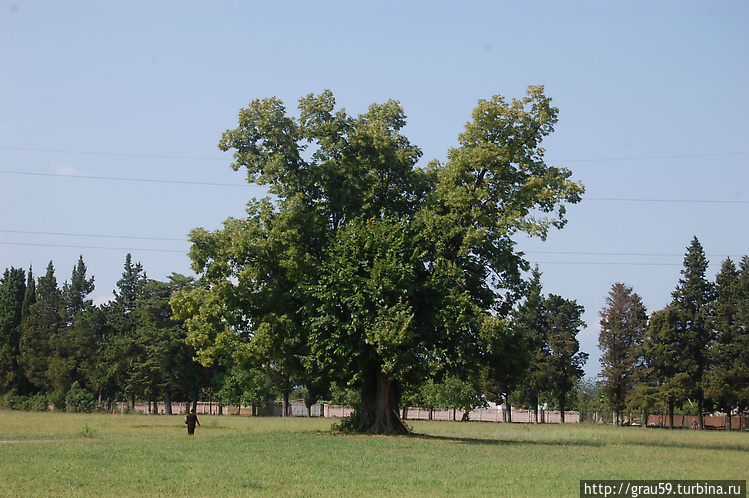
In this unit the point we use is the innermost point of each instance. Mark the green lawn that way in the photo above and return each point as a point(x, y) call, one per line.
point(87, 455)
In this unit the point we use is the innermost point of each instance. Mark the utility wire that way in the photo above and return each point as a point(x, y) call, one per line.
point(647, 158)
point(115, 154)
point(138, 237)
point(685, 201)
point(75, 246)
point(183, 239)
point(215, 184)
point(122, 179)
point(156, 156)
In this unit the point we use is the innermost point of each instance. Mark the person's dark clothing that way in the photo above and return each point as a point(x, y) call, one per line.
point(191, 419)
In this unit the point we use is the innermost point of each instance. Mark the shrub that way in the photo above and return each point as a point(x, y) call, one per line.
point(79, 399)
point(35, 403)
point(57, 399)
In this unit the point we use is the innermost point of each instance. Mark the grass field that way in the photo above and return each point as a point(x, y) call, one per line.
point(97, 455)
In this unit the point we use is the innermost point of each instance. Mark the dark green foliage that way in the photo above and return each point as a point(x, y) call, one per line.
point(57, 343)
point(563, 366)
point(12, 292)
point(41, 329)
point(693, 301)
point(623, 324)
point(79, 400)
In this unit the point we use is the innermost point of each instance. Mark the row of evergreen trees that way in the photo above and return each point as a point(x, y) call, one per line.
point(694, 353)
point(56, 345)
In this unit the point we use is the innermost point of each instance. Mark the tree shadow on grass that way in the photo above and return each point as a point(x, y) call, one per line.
point(728, 446)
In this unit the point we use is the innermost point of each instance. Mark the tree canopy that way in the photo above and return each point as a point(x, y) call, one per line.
point(362, 266)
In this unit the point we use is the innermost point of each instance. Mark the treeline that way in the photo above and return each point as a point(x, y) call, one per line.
point(691, 356)
point(57, 347)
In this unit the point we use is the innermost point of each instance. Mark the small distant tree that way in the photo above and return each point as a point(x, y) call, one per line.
point(563, 366)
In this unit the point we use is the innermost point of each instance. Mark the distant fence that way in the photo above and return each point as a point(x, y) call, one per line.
point(415, 413)
point(711, 422)
point(338, 411)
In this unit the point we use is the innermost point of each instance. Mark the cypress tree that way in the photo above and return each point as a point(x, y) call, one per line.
point(43, 323)
point(12, 291)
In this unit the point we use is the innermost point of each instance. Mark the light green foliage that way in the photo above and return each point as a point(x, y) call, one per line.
point(364, 268)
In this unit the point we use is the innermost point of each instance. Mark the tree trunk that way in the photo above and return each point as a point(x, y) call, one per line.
point(285, 406)
point(562, 406)
point(700, 415)
point(670, 415)
point(167, 403)
point(379, 408)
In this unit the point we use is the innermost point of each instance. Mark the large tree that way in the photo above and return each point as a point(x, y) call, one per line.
point(693, 300)
point(624, 321)
point(363, 267)
point(741, 338)
point(725, 374)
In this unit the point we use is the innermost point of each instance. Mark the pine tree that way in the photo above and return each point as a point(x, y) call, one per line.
point(741, 338)
point(121, 350)
point(693, 300)
point(529, 318)
point(563, 366)
point(725, 352)
point(623, 324)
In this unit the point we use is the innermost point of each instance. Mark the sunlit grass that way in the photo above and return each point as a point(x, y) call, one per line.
point(52, 453)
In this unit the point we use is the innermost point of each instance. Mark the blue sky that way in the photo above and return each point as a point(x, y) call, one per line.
point(652, 98)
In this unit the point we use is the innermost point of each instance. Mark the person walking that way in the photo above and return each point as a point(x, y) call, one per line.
point(191, 419)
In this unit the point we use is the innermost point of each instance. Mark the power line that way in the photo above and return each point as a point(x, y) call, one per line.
point(122, 179)
point(183, 239)
point(585, 253)
point(138, 237)
point(686, 201)
point(649, 158)
point(216, 184)
point(600, 263)
point(115, 154)
point(158, 156)
point(76, 246)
